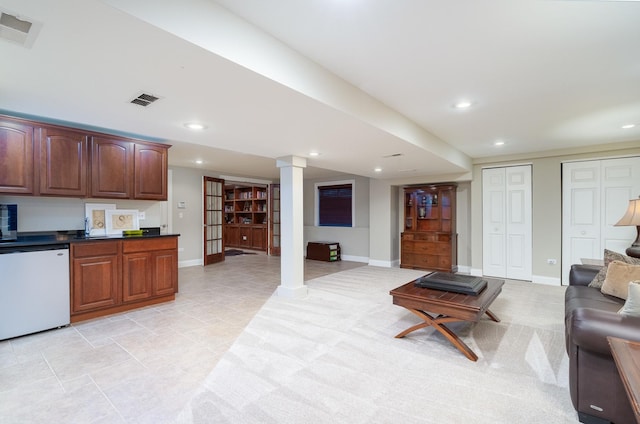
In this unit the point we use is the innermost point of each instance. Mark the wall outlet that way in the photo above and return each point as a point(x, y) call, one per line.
point(552, 261)
point(141, 215)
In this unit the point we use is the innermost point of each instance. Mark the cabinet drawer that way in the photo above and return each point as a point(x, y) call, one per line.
point(420, 247)
point(420, 261)
point(144, 245)
point(98, 248)
point(427, 247)
point(439, 237)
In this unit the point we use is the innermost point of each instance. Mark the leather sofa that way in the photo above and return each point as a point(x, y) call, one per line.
point(596, 389)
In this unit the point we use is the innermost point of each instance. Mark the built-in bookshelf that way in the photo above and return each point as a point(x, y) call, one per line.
point(246, 216)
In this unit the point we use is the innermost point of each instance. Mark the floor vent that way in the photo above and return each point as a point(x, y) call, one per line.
point(18, 29)
point(144, 99)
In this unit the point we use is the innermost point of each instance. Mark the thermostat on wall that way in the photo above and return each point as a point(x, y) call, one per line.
point(182, 205)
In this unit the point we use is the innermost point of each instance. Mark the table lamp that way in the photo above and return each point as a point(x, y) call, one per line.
point(632, 217)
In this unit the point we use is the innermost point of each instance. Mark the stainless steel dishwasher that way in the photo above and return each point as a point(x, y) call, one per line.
point(34, 289)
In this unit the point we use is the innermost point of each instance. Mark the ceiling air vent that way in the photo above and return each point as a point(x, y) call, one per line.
point(18, 29)
point(144, 99)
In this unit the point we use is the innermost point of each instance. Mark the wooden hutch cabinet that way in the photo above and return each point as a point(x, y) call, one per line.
point(246, 216)
point(429, 237)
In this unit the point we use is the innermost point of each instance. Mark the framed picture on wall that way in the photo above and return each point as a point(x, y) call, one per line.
point(118, 220)
point(96, 219)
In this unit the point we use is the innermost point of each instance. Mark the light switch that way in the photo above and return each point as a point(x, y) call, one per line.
point(182, 205)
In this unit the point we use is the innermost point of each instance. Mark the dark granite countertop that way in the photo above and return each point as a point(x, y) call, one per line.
point(43, 238)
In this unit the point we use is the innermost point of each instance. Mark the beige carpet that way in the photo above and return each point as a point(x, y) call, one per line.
point(332, 358)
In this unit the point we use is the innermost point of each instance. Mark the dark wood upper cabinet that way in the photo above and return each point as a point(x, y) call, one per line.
point(39, 158)
point(63, 162)
point(16, 158)
point(111, 168)
point(150, 172)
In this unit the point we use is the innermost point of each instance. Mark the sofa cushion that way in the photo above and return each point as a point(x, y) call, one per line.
point(587, 297)
point(610, 256)
point(632, 305)
point(619, 275)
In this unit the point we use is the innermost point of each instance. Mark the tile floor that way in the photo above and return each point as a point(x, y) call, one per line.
point(140, 366)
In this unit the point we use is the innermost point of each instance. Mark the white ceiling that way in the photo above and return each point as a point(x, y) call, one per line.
point(357, 80)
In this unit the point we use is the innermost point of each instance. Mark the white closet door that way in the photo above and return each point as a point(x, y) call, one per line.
point(506, 204)
point(581, 213)
point(519, 240)
point(595, 195)
point(494, 187)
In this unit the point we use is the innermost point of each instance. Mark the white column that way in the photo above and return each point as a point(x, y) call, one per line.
point(291, 227)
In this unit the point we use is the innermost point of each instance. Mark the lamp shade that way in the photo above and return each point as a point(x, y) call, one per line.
point(632, 216)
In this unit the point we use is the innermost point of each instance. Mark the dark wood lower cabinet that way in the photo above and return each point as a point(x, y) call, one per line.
point(115, 276)
point(246, 236)
point(95, 276)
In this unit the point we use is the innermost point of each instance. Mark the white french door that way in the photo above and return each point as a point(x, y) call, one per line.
point(595, 195)
point(506, 222)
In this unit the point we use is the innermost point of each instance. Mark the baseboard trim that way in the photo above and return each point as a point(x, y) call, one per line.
point(477, 272)
point(464, 269)
point(354, 258)
point(192, 262)
point(384, 264)
point(549, 281)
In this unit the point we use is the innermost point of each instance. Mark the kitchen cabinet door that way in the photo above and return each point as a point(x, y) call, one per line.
point(165, 272)
point(63, 162)
point(95, 276)
point(16, 158)
point(150, 169)
point(136, 276)
point(111, 168)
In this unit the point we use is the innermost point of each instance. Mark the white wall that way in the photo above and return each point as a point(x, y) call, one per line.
point(39, 213)
point(354, 242)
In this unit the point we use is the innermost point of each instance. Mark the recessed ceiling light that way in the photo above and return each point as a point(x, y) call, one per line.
point(314, 154)
point(199, 161)
point(378, 169)
point(627, 126)
point(498, 143)
point(195, 126)
point(463, 104)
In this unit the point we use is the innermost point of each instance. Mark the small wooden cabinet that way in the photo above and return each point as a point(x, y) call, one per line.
point(246, 216)
point(429, 238)
point(323, 251)
point(16, 157)
point(109, 276)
